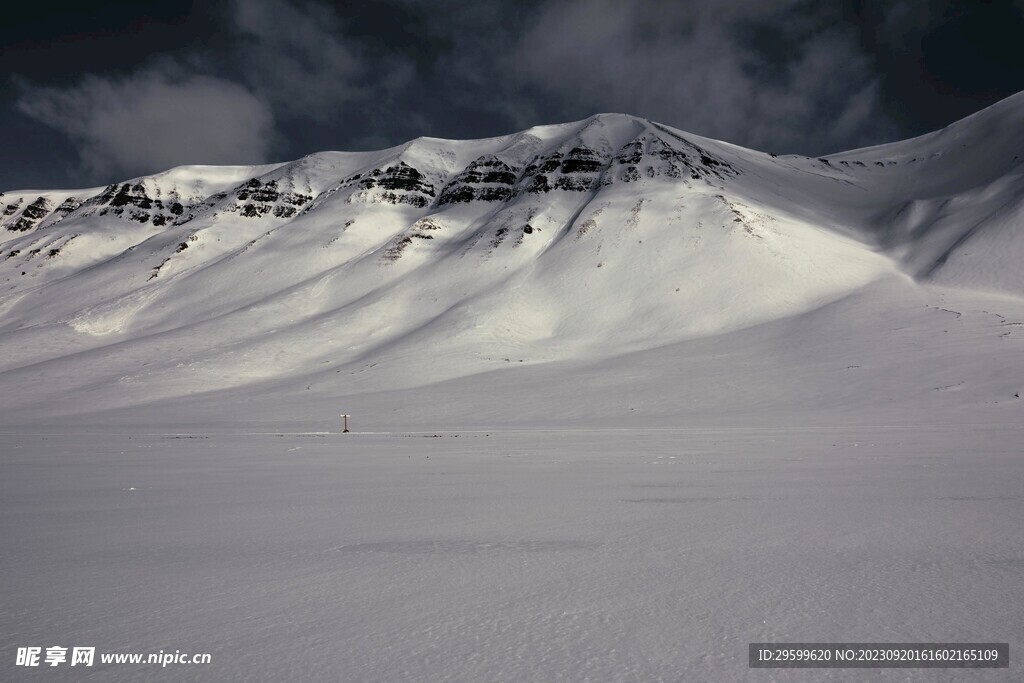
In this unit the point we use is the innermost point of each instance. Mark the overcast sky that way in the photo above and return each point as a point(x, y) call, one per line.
point(100, 92)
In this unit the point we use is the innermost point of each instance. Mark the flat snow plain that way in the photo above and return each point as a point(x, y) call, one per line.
point(509, 555)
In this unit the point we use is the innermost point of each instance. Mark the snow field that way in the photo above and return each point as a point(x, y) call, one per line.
point(506, 556)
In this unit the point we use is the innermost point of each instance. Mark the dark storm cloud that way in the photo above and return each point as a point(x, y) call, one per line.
point(299, 58)
point(246, 81)
point(153, 119)
point(941, 60)
point(697, 66)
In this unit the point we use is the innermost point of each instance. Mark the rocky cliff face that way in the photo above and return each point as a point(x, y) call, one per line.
point(502, 176)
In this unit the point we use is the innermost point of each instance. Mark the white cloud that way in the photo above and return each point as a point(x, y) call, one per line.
point(152, 120)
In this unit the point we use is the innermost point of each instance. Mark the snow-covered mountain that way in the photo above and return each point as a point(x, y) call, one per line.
point(582, 271)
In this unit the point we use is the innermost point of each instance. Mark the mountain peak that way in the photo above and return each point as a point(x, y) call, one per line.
point(577, 240)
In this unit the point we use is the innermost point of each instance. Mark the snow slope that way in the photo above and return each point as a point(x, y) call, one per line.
point(360, 273)
point(560, 246)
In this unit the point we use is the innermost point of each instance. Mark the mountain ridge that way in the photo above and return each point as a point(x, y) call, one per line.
point(594, 239)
